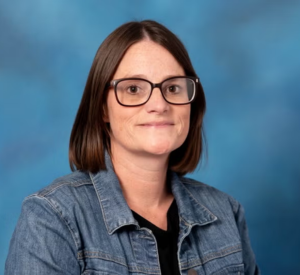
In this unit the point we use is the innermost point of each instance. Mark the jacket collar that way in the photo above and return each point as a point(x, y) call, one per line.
point(117, 214)
point(189, 208)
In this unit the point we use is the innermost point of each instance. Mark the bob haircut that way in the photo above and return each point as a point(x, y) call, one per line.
point(90, 136)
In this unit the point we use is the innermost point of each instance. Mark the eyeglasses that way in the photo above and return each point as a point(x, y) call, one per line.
point(178, 90)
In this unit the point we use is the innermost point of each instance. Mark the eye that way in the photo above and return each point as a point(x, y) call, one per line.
point(173, 89)
point(133, 89)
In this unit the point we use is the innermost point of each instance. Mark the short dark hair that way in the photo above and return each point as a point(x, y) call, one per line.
point(90, 136)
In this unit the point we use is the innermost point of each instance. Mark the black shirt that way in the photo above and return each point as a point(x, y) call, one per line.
point(166, 240)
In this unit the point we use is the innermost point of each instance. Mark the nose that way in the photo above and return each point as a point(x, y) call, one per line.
point(156, 102)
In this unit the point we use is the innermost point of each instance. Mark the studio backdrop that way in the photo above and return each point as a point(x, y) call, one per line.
point(247, 55)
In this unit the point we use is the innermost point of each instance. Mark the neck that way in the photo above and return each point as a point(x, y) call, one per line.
point(142, 178)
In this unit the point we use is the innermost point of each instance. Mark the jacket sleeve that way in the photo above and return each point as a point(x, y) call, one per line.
point(42, 242)
point(250, 265)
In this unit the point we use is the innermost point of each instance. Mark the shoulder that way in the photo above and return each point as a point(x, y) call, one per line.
point(67, 200)
point(64, 193)
point(209, 195)
point(65, 184)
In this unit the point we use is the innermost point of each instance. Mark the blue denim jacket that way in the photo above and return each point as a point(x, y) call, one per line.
point(81, 224)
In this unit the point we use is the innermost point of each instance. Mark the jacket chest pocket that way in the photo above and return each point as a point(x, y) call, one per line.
point(215, 269)
point(94, 272)
point(231, 270)
point(98, 266)
point(97, 263)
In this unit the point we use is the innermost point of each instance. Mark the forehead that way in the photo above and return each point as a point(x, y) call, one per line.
point(149, 59)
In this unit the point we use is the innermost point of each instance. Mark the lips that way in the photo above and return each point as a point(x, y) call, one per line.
point(157, 124)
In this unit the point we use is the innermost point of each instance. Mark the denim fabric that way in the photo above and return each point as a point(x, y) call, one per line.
point(81, 224)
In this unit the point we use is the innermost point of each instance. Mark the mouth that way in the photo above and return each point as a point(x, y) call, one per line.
point(157, 124)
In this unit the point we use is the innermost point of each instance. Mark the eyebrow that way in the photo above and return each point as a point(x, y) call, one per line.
point(144, 77)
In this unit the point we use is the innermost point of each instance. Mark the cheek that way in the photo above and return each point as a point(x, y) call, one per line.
point(121, 124)
point(185, 119)
point(116, 124)
point(114, 115)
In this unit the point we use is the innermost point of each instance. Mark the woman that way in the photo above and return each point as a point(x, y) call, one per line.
point(126, 208)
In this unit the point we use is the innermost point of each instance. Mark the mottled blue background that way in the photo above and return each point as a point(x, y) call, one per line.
point(247, 54)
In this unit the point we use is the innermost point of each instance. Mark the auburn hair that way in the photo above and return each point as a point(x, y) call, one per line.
point(90, 136)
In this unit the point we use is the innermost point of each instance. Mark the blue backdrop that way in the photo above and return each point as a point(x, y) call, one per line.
point(247, 54)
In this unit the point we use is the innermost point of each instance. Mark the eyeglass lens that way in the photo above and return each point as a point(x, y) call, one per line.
point(137, 91)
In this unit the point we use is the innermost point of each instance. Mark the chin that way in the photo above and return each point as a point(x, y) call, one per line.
point(160, 152)
point(161, 149)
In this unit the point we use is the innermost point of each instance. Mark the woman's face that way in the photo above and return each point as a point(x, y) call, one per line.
point(156, 127)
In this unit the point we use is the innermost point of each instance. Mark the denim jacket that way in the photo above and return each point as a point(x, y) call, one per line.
point(81, 224)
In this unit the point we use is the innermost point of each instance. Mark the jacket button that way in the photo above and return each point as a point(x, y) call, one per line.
point(192, 272)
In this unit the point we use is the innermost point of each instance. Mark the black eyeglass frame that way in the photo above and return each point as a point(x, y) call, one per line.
point(113, 84)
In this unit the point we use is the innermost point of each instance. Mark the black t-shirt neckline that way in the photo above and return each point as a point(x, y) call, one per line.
point(166, 239)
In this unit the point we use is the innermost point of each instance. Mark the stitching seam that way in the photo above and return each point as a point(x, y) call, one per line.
point(62, 218)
